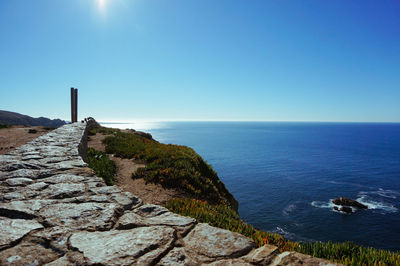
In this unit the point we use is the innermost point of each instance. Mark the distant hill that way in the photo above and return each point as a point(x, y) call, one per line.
point(11, 118)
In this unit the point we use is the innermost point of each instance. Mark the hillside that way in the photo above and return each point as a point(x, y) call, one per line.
point(172, 166)
point(12, 118)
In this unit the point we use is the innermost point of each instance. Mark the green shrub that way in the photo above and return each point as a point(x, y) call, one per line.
point(4, 126)
point(172, 166)
point(102, 165)
point(349, 253)
point(223, 217)
point(92, 132)
point(103, 130)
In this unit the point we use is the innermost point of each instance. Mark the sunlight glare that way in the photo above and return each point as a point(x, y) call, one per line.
point(101, 5)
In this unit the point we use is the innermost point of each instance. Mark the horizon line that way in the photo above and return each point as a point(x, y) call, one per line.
point(249, 121)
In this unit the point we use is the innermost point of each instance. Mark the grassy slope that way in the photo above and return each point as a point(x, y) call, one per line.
point(172, 166)
point(102, 165)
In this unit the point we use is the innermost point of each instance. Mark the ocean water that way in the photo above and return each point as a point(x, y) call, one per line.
point(285, 174)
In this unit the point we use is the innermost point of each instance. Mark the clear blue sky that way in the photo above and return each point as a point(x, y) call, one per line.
point(202, 60)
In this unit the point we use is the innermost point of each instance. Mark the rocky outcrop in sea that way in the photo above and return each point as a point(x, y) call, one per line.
point(346, 205)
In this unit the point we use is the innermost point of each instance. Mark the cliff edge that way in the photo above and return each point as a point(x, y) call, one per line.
point(55, 211)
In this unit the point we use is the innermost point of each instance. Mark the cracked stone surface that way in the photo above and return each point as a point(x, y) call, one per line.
point(214, 242)
point(263, 255)
point(64, 190)
point(21, 181)
point(295, 258)
point(12, 230)
point(88, 215)
point(55, 211)
point(122, 246)
point(64, 178)
point(133, 219)
point(178, 256)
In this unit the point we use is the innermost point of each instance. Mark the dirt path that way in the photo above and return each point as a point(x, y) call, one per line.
point(16, 136)
point(149, 193)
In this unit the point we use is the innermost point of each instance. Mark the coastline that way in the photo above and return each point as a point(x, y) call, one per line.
point(284, 175)
point(289, 255)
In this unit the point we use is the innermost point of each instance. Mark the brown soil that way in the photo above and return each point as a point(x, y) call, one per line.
point(16, 136)
point(149, 193)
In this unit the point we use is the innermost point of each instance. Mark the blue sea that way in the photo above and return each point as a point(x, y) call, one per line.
point(284, 175)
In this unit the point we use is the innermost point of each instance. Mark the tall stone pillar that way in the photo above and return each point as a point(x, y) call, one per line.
point(72, 105)
point(76, 105)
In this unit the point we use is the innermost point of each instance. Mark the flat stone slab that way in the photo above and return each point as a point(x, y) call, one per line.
point(105, 190)
point(11, 165)
point(20, 181)
point(14, 196)
point(121, 247)
point(126, 200)
point(132, 219)
point(178, 256)
point(295, 258)
point(64, 190)
point(88, 215)
point(37, 186)
point(150, 210)
point(64, 178)
point(31, 157)
point(262, 255)
point(214, 242)
point(28, 173)
point(12, 230)
point(27, 208)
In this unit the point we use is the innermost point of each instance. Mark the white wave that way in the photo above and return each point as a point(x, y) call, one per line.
point(374, 205)
point(386, 193)
point(291, 236)
point(284, 233)
point(289, 209)
point(329, 205)
point(323, 204)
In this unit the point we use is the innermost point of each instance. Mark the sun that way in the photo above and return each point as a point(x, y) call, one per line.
point(101, 4)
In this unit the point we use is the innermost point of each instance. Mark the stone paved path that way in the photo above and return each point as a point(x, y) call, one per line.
point(53, 211)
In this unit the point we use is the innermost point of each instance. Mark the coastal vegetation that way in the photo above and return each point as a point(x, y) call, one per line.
point(4, 126)
point(223, 217)
point(102, 165)
point(172, 166)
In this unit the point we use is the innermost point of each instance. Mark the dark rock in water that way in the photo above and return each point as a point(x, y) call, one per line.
point(344, 209)
point(349, 202)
